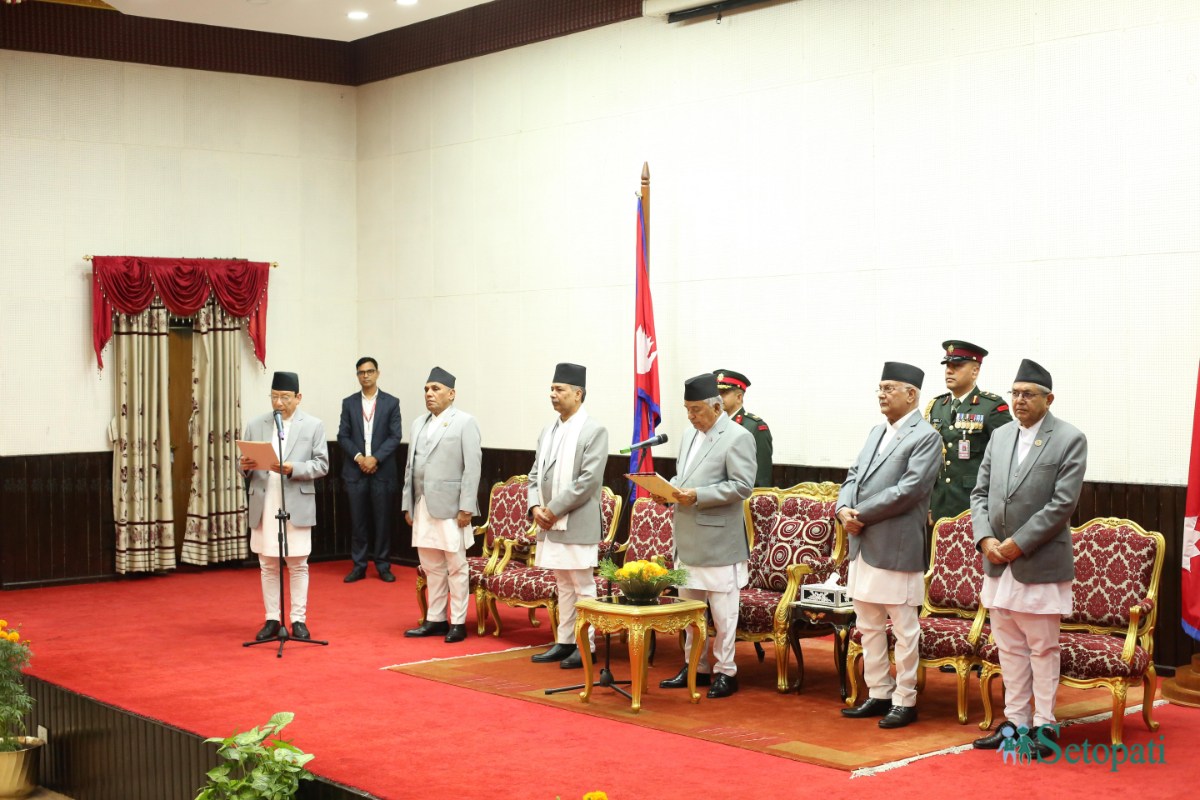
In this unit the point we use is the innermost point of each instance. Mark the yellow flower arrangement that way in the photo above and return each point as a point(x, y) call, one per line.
point(642, 581)
point(15, 701)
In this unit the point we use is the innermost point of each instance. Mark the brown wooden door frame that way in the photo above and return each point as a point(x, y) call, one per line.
point(180, 408)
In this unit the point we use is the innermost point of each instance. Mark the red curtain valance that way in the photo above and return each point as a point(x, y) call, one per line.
point(128, 284)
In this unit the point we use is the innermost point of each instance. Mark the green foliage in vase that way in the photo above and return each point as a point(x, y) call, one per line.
point(259, 765)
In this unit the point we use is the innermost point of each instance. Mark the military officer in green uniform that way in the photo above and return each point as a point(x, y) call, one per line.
point(965, 417)
point(733, 386)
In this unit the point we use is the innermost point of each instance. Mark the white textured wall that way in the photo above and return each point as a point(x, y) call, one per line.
point(835, 184)
point(104, 158)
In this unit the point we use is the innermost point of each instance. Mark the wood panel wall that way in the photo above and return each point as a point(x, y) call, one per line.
point(95, 751)
point(56, 520)
point(498, 25)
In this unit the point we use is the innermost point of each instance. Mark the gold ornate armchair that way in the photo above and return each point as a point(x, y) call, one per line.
point(1109, 638)
point(952, 621)
point(507, 512)
point(521, 586)
point(794, 539)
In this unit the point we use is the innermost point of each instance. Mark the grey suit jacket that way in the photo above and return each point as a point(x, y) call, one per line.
point(452, 468)
point(582, 497)
point(890, 491)
point(712, 533)
point(305, 447)
point(1034, 506)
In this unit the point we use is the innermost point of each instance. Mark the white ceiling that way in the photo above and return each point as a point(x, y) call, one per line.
point(319, 19)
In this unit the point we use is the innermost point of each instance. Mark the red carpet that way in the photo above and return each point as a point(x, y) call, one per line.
point(170, 648)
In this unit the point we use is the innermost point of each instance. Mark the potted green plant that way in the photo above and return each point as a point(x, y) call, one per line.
point(258, 765)
point(19, 754)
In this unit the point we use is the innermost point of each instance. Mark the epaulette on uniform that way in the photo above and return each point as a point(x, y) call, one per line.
point(991, 396)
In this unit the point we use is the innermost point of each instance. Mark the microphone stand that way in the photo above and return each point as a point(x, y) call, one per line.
point(282, 516)
point(606, 676)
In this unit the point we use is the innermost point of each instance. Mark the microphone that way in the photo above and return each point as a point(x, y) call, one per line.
point(653, 440)
point(279, 423)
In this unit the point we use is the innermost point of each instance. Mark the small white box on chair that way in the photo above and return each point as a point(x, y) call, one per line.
point(830, 594)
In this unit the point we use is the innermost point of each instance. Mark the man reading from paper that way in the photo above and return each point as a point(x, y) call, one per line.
point(304, 457)
point(716, 469)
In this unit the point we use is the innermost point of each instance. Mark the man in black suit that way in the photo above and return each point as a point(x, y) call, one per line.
point(369, 433)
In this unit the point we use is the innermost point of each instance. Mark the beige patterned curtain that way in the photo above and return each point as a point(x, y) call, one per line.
point(216, 523)
point(140, 433)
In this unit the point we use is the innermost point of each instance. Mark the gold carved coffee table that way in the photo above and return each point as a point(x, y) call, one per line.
point(608, 615)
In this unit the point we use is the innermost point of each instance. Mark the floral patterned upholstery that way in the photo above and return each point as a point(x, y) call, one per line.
point(1108, 639)
point(947, 637)
point(792, 541)
point(651, 532)
point(756, 610)
point(761, 510)
point(795, 539)
point(1114, 568)
point(524, 584)
point(520, 584)
point(956, 571)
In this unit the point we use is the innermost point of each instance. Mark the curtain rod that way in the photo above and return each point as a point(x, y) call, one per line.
point(274, 264)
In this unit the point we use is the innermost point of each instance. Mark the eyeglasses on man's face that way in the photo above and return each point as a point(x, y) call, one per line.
point(1017, 394)
point(364, 372)
point(284, 398)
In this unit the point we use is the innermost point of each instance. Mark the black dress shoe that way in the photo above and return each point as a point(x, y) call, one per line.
point(300, 631)
point(428, 628)
point(456, 633)
point(871, 707)
point(994, 739)
point(356, 574)
point(1039, 732)
point(269, 630)
point(556, 653)
point(680, 680)
point(722, 686)
point(386, 576)
point(574, 661)
point(899, 716)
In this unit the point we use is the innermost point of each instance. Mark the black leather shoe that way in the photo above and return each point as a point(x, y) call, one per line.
point(680, 680)
point(1042, 749)
point(871, 707)
point(428, 628)
point(722, 686)
point(356, 574)
point(899, 716)
point(556, 653)
point(269, 630)
point(456, 633)
point(994, 739)
point(300, 631)
point(574, 661)
point(386, 576)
